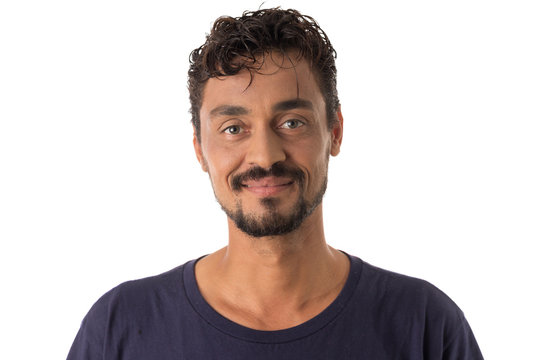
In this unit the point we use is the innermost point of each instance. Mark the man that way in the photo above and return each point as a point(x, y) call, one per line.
point(266, 118)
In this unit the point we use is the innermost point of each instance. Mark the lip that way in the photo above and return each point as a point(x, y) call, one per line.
point(267, 186)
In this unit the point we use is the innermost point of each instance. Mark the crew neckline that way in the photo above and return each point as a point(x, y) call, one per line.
point(236, 330)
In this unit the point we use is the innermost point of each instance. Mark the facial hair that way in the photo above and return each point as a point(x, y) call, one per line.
point(272, 223)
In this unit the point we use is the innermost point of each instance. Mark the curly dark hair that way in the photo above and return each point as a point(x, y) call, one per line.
point(251, 36)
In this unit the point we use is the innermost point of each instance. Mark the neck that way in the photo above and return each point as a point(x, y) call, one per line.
point(290, 273)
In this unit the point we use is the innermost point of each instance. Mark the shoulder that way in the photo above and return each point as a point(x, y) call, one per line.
point(137, 298)
point(409, 292)
point(167, 282)
point(131, 293)
point(417, 312)
point(124, 306)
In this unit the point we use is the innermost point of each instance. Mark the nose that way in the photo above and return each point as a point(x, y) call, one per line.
point(265, 149)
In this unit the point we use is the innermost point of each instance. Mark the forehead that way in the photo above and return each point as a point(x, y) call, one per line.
point(277, 78)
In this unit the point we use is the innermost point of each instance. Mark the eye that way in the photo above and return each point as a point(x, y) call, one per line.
point(292, 124)
point(233, 130)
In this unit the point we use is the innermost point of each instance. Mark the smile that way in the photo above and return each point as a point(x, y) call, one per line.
point(267, 186)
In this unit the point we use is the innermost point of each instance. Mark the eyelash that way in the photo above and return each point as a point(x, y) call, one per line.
point(298, 123)
point(226, 130)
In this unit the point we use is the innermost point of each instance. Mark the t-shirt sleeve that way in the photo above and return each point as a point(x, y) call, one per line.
point(463, 345)
point(450, 337)
point(445, 333)
point(89, 342)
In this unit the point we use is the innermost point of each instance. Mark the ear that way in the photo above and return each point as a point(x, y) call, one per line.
point(337, 133)
point(199, 152)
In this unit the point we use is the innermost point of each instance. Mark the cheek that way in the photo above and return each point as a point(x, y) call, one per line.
point(221, 164)
point(312, 158)
point(316, 151)
point(321, 167)
point(319, 154)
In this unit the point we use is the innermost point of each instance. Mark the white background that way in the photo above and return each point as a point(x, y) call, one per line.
point(438, 177)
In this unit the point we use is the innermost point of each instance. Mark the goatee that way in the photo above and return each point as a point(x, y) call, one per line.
point(272, 223)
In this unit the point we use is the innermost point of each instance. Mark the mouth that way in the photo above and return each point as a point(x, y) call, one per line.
point(267, 186)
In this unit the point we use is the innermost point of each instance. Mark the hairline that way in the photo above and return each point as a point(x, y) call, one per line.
point(298, 58)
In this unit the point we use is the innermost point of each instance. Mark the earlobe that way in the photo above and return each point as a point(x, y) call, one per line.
point(337, 133)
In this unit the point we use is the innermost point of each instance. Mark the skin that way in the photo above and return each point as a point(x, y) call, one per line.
point(276, 282)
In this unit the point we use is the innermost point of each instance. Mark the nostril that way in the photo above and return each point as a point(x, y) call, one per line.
point(265, 153)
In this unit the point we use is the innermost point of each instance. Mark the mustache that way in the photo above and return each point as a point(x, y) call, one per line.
point(257, 173)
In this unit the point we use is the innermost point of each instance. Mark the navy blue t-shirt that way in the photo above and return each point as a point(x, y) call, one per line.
point(378, 315)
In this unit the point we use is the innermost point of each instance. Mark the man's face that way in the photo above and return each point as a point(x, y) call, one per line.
point(265, 143)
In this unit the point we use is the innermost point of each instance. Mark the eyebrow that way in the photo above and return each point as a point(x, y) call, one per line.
point(234, 110)
point(297, 103)
point(229, 110)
